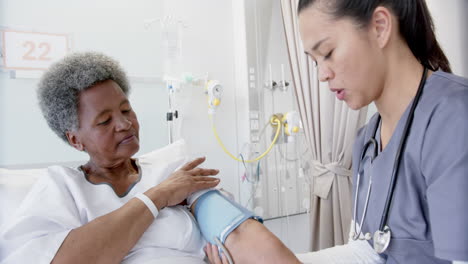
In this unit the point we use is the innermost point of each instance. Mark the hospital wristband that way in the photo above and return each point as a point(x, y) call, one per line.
point(147, 201)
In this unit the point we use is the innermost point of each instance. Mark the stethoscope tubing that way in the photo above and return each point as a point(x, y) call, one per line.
point(401, 148)
point(396, 165)
point(374, 144)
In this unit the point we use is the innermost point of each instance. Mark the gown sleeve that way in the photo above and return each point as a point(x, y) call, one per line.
point(444, 164)
point(42, 222)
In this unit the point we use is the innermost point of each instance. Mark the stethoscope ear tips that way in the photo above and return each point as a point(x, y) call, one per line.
point(356, 236)
point(367, 236)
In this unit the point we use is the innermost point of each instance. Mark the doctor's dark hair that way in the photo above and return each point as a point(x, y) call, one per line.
point(415, 24)
point(59, 88)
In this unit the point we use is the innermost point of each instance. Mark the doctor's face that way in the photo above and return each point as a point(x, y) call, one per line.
point(109, 129)
point(346, 56)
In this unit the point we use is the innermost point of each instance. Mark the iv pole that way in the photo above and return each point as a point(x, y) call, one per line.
point(172, 114)
point(173, 49)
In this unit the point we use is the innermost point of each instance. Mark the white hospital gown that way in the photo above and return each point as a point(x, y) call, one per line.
point(65, 200)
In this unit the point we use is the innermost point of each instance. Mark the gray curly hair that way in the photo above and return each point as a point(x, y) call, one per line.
point(60, 87)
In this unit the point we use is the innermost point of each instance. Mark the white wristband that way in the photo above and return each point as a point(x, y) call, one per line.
point(147, 201)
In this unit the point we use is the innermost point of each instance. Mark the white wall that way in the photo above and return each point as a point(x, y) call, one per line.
point(451, 22)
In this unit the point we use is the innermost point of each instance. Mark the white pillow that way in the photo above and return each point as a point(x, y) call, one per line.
point(174, 156)
point(14, 185)
point(166, 154)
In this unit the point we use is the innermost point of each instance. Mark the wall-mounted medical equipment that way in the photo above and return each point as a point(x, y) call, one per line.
point(272, 85)
point(276, 122)
point(214, 91)
point(292, 123)
point(289, 123)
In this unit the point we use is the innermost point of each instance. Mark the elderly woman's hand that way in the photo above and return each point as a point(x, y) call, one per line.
point(182, 183)
point(211, 252)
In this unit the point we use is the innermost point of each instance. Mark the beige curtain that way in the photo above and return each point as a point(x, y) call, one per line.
point(330, 128)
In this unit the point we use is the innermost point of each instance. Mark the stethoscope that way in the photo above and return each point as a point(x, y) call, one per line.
point(383, 235)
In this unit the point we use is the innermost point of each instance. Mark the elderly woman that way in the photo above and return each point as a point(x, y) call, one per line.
point(115, 209)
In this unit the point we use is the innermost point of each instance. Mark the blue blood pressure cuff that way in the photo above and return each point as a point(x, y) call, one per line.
point(218, 216)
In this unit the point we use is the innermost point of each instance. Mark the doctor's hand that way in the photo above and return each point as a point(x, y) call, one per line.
point(183, 182)
point(211, 252)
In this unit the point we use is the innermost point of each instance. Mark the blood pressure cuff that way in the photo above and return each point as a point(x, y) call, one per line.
point(218, 216)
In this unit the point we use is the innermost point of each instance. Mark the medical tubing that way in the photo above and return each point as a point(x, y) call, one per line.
point(278, 130)
point(224, 249)
point(400, 149)
point(295, 159)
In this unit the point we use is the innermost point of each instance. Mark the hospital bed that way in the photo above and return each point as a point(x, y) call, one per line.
point(14, 185)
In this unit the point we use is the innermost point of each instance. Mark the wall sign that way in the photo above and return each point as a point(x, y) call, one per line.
point(32, 50)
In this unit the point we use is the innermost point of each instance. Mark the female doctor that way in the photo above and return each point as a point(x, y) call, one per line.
point(410, 162)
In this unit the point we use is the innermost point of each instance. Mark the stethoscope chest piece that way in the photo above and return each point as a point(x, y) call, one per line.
point(382, 239)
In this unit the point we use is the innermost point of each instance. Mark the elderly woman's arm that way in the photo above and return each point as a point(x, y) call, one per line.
point(109, 238)
point(252, 242)
point(249, 242)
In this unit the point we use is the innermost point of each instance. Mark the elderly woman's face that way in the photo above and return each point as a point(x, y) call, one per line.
point(109, 127)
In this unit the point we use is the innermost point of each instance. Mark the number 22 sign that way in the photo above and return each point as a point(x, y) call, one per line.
point(32, 50)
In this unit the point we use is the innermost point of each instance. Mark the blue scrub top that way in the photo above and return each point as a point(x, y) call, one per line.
point(429, 216)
